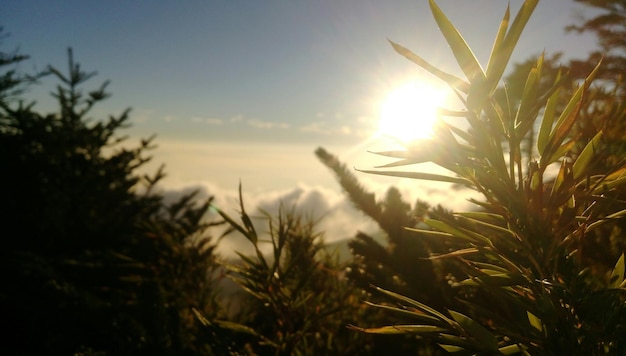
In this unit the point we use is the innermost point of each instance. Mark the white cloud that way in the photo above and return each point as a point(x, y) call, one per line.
point(208, 121)
point(290, 174)
point(236, 118)
point(142, 115)
point(323, 128)
point(338, 220)
point(267, 124)
point(361, 127)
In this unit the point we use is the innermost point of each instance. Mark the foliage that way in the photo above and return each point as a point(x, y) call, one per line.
point(609, 26)
point(13, 83)
point(533, 287)
point(299, 302)
point(93, 260)
point(402, 263)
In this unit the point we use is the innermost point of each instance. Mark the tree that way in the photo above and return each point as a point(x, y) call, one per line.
point(402, 263)
point(93, 261)
point(13, 83)
point(298, 301)
point(532, 287)
point(609, 26)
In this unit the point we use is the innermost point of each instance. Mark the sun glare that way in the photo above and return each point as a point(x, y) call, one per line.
point(409, 111)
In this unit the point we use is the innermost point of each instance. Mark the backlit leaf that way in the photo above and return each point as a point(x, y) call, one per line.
point(586, 156)
point(404, 329)
point(483, 336)
point(419, 175)
point(463, 54)
point(548, 119)
point(502, 52)
point(453, 81)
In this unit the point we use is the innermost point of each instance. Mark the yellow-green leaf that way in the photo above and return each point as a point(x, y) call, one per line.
point(534, 321)
point(570, 113)
point(617, 275)
point(502, 52)
point(419, 316)
point(483, 336)
point(463, 54)
point(548, 118)
point(586, 156)
point(420, 175)
point(452, 80)
point(421, 306)
point(458, 232)
point(404, 329)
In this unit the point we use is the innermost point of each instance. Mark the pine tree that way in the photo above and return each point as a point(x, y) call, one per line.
point(93, 261)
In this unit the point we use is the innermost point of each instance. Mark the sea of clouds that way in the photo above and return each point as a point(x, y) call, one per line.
point(336, 217)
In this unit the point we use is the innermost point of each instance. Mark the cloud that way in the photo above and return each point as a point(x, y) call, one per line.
point(236, 118)
point(266, 124)
point(337, 219)
point(323, 128)
point(289, 175)
point(142, 115)
point(339, 125)
point(209, 121)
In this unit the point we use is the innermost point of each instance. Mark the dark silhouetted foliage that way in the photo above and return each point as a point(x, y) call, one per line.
point(297, 299)
point(92, 259)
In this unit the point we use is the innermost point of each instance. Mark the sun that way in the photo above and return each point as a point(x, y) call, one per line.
point(409, 111)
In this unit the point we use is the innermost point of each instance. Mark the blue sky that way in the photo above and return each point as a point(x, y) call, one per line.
point(279, 66)
point(248, 89)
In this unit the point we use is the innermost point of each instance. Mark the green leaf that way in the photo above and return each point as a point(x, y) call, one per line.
point(569, 115)
point(404, 162)
point(496, 59)
point(420, 175)
point(420, 316)
point(503, 49)
point(404, 329)
point(527, 109)
point(510, 350)
point(420, 306)
point(534, 321)
point(617, 275)
point(586, 156)
point(611, 181)
point(458, 232)
point(463, 54)
point(251, 235)
point(453, 81)
point(496, 280)
point(488, 225)
point(452, 348)
point(566, 120)
point(558, 153)
point(431, 233)
point(484, 337)
point(457, 253)
point(481, 216)
point(231, 222)
point(454, 342)
point(548, 118)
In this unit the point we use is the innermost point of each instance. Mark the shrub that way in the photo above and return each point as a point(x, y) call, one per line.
point(297, 300)
point(93, 260)
point(533, 286)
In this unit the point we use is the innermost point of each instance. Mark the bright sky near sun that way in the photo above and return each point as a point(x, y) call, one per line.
point(248, 89)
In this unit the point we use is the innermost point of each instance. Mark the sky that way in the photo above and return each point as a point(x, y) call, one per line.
point(245, 91)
